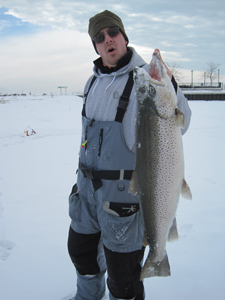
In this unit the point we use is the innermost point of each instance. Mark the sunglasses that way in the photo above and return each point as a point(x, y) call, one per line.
point(112, 32)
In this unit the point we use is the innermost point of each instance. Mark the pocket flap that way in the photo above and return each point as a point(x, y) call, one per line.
point(120, 209)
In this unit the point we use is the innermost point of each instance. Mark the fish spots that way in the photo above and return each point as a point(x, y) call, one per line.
point(159, 163)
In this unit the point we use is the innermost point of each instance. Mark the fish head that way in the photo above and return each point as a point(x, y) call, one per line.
point(145, 92)
point(166, 98)
point(154, 89)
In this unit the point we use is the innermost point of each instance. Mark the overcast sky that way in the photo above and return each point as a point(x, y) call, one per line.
point(44, 43)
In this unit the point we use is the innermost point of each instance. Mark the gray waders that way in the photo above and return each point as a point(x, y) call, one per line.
point(106, 231)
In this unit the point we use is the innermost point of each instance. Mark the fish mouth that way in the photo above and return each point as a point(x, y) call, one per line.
point(155, 73)
point(156, 69)
point(145, 76)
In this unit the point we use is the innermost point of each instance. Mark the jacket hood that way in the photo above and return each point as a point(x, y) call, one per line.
point(135, 60)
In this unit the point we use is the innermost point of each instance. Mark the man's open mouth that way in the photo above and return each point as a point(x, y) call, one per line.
point(111, 49)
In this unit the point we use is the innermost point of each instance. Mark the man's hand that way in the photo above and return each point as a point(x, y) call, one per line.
point(167, 69)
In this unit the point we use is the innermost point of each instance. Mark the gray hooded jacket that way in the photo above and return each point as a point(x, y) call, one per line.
point(104, 96)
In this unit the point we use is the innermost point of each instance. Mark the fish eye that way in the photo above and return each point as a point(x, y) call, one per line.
point(151, 89)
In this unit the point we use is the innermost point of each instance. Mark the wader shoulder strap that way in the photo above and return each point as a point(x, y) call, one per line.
point(85, 96)
point(124, 99)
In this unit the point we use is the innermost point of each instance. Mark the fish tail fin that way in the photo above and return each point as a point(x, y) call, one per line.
point(160, 269)
point(173, 233)
point(186, 191)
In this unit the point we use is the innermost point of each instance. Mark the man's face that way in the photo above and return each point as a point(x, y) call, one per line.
point(112, 48)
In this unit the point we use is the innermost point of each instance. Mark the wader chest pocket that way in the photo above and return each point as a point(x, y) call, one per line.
point(120, 209)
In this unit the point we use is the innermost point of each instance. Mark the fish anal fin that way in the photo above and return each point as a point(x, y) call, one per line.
point(186, 191)
point(173, 233)
point(158, 269)
point(134, 186)
point(179, 118)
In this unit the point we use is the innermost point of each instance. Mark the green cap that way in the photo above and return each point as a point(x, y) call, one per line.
point(105, 19)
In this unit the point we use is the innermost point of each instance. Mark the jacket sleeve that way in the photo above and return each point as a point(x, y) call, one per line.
point(182, 104)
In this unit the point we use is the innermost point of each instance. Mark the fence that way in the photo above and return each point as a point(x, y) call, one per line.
point(205, 96)
point(200, 85)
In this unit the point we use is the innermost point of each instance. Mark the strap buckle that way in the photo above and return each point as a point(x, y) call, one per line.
point(123, 102)
point(87, 173)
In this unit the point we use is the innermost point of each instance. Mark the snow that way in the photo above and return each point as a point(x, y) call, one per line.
point(37, 173)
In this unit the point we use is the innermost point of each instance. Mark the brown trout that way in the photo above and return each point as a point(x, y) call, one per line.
point(159, 174)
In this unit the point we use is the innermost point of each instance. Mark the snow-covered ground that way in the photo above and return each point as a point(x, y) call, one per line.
point(36, 176)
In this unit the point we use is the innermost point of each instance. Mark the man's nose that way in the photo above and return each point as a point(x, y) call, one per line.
point(107, 38)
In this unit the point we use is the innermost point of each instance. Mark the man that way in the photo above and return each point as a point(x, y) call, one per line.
point(106, 229)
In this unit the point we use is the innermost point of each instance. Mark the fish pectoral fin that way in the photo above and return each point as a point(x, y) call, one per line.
point(179, 118)
point(158, 269)
point(134, 186)
point(186, 191)
point(173, 233)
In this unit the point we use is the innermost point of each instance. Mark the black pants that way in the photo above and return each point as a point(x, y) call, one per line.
point(123, 268)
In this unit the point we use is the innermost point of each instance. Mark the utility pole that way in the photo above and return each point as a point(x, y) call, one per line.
point(218, 77)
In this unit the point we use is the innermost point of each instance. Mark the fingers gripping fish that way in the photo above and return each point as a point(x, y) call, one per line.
point(159, 175)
